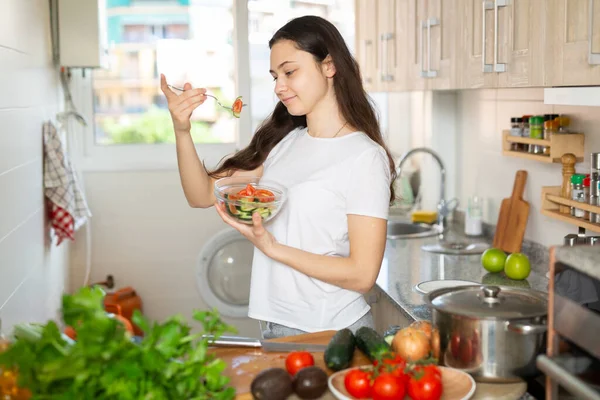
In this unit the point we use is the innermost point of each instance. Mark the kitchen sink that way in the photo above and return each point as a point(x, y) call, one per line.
point(408, 230)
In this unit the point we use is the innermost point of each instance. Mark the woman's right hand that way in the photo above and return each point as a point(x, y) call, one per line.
point(182, 105)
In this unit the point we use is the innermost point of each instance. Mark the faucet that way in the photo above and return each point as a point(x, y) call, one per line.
point(443, 206)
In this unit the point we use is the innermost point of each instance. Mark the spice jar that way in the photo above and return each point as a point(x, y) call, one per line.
point(577, 194)
point(516, 129)
point(550, 128)
point(563, 123)
point(536, 131)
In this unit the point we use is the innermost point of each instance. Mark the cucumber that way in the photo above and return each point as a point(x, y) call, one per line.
point(244, 215)
point(371, 343)
point(390, 333)
point(340, 350)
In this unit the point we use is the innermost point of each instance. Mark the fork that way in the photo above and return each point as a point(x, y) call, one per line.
point(206, 94)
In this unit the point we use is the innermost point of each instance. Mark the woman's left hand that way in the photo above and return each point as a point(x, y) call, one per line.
point(255, 233)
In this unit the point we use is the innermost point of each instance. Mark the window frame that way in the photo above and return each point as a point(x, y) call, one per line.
point(144, 157)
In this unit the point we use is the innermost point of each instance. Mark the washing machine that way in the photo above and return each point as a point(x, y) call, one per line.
point(223, 278)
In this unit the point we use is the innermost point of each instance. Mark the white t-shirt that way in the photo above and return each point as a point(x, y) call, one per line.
point(326, 179)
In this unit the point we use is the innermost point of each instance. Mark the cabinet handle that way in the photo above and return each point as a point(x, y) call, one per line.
point(487, 5)
point(593, 58)
point(423, 72)
point(367, 42)
point(498, 67)
point(385, 76)
point(430, 22)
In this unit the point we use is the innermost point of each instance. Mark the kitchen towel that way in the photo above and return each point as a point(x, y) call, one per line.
point(67, 207)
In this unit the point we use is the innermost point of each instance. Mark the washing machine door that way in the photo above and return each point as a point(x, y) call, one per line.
point(223, 274)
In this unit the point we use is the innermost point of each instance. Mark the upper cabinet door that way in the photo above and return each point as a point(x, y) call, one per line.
point(574, 43)
point(367, 43)
point(387, 36)
point(520, 48)
point(416, 46)
point(477, 18)
point(442, 54)
point(400, 67)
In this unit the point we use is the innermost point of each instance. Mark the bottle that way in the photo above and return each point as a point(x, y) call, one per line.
point(536, 131)
point(577, 194)
point(516, 129)
point(473, 217)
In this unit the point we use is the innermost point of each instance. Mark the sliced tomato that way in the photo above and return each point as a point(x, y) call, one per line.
point(236, 108)
point(250, 190)
point(233, 209)
point(234, 196)
point(264, 196)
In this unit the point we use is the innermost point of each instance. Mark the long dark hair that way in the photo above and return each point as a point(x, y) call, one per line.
point(320, 38)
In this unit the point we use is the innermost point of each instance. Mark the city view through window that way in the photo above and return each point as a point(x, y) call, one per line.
point(190, 41)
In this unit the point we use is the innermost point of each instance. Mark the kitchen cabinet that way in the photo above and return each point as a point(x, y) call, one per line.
point(430, 44)
point(381, 44)
point(367, 44)
point(443, 45)
point(469, 44)
point(573, 42)
point(385, 313)
point(502, 43)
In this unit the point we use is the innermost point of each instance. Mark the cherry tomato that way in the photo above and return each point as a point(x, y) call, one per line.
point(388, 387)
point(297, 360)
point(358, 383)
point(394, 364)
point(425, 384)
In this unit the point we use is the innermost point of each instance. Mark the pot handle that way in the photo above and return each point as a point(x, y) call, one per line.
point(525, 328)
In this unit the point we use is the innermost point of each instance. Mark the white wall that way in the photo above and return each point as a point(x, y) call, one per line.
point(483, 170)
point(32, 272)
point(145, 234)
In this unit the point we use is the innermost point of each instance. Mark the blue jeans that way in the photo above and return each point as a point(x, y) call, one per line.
point(274, 330)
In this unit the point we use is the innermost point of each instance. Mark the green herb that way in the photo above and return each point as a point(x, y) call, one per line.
point(104, 363)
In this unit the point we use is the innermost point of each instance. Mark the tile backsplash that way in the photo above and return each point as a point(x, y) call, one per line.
point(33, 272)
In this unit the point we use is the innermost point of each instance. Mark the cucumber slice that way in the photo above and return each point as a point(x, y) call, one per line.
point(244, 215)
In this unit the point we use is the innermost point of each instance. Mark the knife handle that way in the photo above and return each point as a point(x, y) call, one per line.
point(233, 341)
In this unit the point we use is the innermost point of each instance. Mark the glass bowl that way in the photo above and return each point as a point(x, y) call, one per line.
point(245, 195)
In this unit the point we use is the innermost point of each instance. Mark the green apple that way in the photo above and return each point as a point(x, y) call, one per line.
point(517, 266)
point(493, 260)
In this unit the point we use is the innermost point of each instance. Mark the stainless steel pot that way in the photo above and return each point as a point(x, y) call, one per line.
point(493, 333)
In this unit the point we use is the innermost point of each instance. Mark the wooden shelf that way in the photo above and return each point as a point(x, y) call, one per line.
point(551, 200)
point(559, 144)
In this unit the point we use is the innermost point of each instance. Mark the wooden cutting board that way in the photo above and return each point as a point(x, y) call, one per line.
point(244, 364)
point(512, 219)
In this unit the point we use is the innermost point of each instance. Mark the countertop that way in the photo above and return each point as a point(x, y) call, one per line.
point(405, 265)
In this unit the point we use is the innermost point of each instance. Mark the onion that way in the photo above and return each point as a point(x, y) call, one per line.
point(411, 344)
point(435, 343)
point(423, 326)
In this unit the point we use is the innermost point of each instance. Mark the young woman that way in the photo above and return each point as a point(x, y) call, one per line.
point(314, 261)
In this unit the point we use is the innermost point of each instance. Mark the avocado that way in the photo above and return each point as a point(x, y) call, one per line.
point(310, 383)
point(272, 384)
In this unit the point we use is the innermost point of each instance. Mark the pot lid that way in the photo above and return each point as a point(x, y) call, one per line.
point(490, 302)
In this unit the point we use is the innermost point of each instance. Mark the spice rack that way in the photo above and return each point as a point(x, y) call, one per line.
point(559, 144)
point(552, 200)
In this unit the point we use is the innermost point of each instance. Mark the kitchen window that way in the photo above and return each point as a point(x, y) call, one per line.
point(214, 44)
